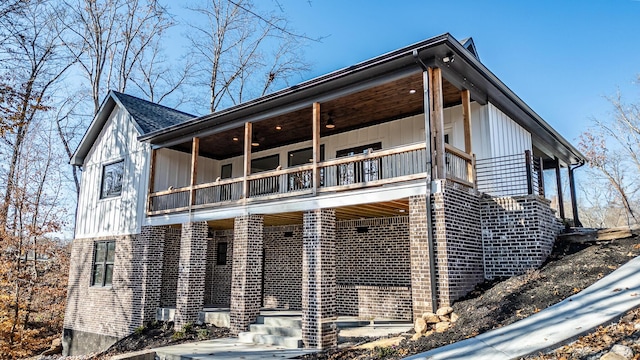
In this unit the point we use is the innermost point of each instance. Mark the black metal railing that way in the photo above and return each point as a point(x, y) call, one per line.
point(511, 175)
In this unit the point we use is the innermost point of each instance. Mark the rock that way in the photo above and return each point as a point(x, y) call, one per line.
point(382, 343)
point(430, 318)
point(445, 310)
point(56, 347)
point(442, 326)
point(454, 317)
point(416, 336)
point(444, 318)
point(636, 326)
point(420, 326)
point(622, 350)
point(612, 356)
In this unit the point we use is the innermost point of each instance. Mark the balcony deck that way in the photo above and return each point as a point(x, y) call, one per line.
point(383, 168)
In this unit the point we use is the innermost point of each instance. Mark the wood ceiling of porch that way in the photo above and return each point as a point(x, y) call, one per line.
point(363, 211)
point(376, 105)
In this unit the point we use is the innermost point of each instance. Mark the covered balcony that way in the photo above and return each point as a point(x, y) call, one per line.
point(374, 137)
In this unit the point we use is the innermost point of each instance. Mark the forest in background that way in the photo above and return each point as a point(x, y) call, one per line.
point(59, 58)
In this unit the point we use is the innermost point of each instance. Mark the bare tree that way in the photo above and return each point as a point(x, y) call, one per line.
point(31, 60)
point(232, 51)
point(612, 147)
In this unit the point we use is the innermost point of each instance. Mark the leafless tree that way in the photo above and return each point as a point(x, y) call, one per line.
point(612, 147)
point(32, 62)
point(231, 48)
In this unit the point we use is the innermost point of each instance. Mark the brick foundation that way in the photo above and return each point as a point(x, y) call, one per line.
point(421, 296)
point(146, 280)
point(518, 234)
point(246, 283)
point(190, 288)
point(283, 267)
point(319, 279)
point(171, 259)
point(221, 274)
point(456, 220)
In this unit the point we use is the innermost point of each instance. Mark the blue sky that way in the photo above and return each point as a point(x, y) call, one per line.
point(561, 57)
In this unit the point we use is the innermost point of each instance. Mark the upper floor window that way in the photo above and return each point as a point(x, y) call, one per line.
point(103, 257)
point(112, 174)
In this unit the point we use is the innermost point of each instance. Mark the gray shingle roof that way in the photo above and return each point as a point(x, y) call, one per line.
point(151, 116)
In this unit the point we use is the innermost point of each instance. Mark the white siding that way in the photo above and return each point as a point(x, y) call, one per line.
point(118, 215)
point(173, 168)
point(506, 136)
point(394, 133)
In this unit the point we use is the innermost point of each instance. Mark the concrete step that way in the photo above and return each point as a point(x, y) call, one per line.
point(217, 318)
point(275, 330)
point(267, 339)
point(280, 321)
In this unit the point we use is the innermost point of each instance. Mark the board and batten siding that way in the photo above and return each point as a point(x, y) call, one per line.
point(120, 215)
point(507, 137)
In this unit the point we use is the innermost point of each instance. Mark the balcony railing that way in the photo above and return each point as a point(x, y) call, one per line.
point(460, 165)
point(511, 175)
point(404, 163)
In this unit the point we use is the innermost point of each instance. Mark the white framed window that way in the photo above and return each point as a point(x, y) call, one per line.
point(111, 183)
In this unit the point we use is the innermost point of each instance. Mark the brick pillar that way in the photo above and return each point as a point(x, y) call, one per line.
point(146, 279)
point(420, 273)
point(190, 289)
point(246, 278)
point(319, 279)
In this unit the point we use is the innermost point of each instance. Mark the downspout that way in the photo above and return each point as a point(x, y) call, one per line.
point(574, 200)
point(427, 132)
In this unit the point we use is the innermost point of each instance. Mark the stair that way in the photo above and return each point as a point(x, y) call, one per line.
point(275, 328)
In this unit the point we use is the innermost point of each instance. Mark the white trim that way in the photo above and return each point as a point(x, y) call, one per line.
point(331, 200)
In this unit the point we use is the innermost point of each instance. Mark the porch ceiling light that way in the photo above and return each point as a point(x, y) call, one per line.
point(254, 141)
point(235, 138)
point(412, 91)
point(330, 124)
point(278, 127)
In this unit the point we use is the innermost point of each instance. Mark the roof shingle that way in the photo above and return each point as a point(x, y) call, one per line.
point(151, 116)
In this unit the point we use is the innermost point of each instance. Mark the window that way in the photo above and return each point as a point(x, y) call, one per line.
point(221, 254)
point(303, 179)
point(225, 171)
point(103, 256)
point(367, 170)
point(265, 163)
point(112, 180)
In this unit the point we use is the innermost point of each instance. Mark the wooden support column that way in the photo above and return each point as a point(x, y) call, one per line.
point(316, 146)
point(195, 149)
point(247, 159)
point(466, 119)
point(152, 178)
point(559, 188)
point(437, 123)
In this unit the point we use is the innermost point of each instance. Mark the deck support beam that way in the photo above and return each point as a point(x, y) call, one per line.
point(247, 158)
point(559, 189)
point(195, 149)
point(437, 123)
point(466, 119)
point(316, 146)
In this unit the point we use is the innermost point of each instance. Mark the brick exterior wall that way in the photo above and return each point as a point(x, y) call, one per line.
point(373, 268)
point(421, 296)
point(319, 280)
point(146, 280)
point(190, 289)
point(390, 302)
point(283, 267)
point(456, 215)
point(518, 234)
point(171, 259)
point(208, 275)
point(115, 311)
point(246, 281)
point(221, 274)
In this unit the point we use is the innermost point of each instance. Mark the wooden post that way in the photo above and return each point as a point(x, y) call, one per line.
point(195, 149)
point(316, 146)
point(247, 159)
point(527, 160)
point(559, 188)
point(466, 119)
point(437, 122)
point(540, 177)
point(152, 178)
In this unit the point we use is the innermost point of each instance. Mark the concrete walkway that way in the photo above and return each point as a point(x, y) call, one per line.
point(601, 303)
point(227, 348)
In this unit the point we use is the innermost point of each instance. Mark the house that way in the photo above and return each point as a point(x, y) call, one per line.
point(385, 189)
